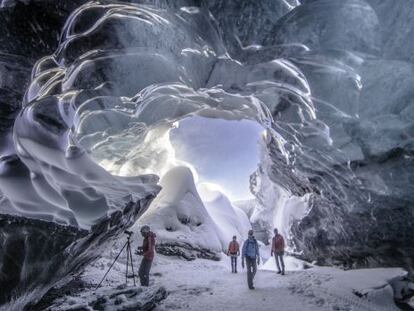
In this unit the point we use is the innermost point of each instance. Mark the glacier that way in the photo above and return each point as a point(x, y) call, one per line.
point(90, 93)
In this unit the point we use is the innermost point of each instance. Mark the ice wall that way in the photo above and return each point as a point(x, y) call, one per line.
point(358, 173)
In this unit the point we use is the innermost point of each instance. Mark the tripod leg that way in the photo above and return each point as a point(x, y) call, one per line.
point(132, 265)
point(127, 264)
point(111, 266)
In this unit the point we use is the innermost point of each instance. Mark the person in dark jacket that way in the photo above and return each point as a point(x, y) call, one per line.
point(278, 249)
point(233, 251)
point(147, 251)
point(250, 252)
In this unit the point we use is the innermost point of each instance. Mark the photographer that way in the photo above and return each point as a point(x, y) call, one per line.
point(147, 251)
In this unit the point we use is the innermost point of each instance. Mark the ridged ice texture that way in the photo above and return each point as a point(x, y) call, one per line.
point(121, 76)
point(331, 80)
point(361, 177)
point(342, 128)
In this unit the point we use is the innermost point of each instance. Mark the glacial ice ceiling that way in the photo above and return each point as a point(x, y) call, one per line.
point(329, 80)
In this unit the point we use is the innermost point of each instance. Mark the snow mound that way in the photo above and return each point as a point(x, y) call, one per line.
point(179, 215)
point(229, 219)
point(182, 215)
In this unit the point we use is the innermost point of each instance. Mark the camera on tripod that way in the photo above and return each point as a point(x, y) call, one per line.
point(129, 261)
point(128, 233)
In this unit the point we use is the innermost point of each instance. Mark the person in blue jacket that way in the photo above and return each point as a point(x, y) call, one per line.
point(250, 253)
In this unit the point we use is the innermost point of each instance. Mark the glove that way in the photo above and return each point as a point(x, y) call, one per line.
point(271, 253)
point(243, 264)
point(258, 261)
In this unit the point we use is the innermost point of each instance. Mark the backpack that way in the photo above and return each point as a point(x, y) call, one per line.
point(251, 243)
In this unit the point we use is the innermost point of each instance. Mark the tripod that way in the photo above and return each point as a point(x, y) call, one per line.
point(129, 261)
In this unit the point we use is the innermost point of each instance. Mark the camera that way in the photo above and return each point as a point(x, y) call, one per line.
point(139, 251)
point(128, 232)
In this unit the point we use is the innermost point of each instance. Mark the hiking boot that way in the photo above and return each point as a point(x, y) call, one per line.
point(251, 287)
point(279, 272)
point(283, 272)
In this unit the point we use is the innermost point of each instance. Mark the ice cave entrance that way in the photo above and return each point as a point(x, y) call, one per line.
point(210, 161)
point(221, 153)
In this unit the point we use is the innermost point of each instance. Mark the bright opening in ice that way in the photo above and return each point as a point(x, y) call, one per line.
point(222, 152)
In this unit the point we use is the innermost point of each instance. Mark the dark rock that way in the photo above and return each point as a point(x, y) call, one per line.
point(124, 298)
point(30, 31)
point(26, 248)
point(33, 29)
point(185, 251)
point(73, 287)
point(35, 254)
point(375, 237)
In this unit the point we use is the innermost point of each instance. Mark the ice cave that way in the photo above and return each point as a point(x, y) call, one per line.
point(203, 120)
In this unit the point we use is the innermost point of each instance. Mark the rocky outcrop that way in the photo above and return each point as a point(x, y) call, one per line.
point(27, 245)
point(330, 235)
point(121, 298)
point(186, 251)
point(35, 254)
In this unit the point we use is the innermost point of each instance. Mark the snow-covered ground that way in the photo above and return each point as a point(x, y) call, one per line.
point(209, 285)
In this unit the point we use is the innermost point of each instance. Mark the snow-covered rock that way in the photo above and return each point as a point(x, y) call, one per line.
point(121, 298)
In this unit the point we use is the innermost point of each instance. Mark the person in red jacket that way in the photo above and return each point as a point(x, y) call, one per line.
point(147, 251)
point(233, 251)
point(278, 249)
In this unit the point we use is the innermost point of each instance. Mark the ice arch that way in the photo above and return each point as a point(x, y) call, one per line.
point(97, 96)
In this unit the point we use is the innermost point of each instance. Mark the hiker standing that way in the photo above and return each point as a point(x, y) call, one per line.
point(278, 249)
point(147, 251)
point(233, 251)
point(250, 252)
